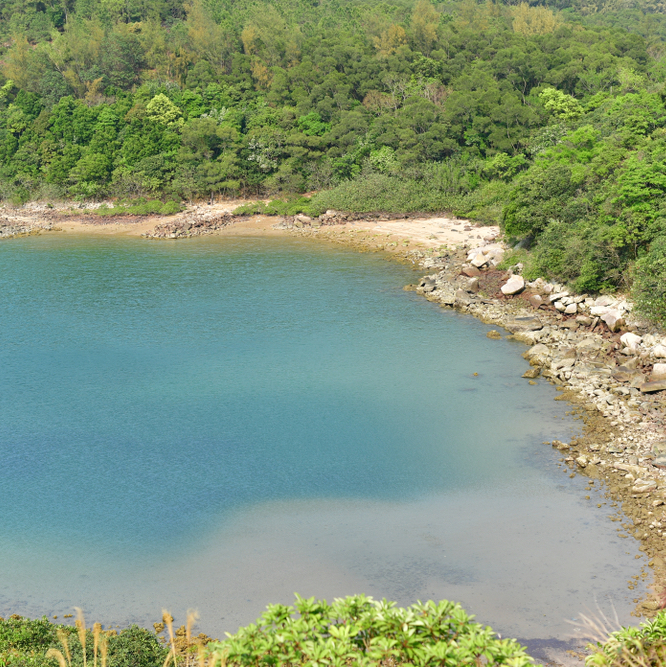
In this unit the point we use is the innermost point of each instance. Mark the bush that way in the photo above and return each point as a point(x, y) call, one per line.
point(629, 647)
point(141, 207)
point(25, 642)
point(275, 207)
point(361, 631)
point(136, 647)
point(649, 288)
point(579, 254)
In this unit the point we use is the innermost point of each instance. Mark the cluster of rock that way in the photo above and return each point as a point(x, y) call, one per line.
point(331, 217)
point(193, 224)
point(10, 228)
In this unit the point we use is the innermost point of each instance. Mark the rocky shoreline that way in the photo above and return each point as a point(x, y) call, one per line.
point(609, 364)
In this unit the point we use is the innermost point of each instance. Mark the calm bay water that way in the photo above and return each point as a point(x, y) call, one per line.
point(218, 423)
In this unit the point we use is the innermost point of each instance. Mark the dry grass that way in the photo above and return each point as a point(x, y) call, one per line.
point(185, 649)
point(614, 646)
point(99, 643)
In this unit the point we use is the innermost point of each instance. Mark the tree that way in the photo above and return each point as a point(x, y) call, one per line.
point(424, 22)
point(533, 20)
point(163, 111)
point(562, 106)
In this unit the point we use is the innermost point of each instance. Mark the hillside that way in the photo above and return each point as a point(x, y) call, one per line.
point(548, 119)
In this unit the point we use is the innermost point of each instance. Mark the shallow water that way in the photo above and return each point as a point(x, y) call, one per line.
point(217, 423)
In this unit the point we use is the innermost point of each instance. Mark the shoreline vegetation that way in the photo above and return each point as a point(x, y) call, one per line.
point(355, 630)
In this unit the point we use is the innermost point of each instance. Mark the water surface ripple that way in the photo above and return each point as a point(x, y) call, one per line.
point(218, 423)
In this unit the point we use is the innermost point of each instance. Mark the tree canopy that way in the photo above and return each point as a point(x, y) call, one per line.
point(549, 118)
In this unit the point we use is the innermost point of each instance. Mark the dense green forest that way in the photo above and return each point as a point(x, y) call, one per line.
point(547, 118)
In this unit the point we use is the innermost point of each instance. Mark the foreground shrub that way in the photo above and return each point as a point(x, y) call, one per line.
point(35, 643)
point(361, 631)
point(644, 646)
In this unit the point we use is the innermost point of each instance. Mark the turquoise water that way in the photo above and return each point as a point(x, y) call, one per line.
point(218, 423)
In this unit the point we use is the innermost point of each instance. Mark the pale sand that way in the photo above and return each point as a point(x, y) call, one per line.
point(388, 235)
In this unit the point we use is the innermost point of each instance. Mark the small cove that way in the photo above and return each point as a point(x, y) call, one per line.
point(218, 423)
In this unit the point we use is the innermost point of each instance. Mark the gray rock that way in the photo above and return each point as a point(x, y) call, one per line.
point(631, 364)
point(604, 301)
point(589, 345)
point(644, 486)
point(584, 320)
point(524, 324)
point(651, 387)
point(630, 340)
point(627, 375)
point(538, 350)
point(473, 285)
point(427, 285)
point(557, 296)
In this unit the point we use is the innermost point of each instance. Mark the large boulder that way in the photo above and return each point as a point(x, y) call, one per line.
point(479, 260)
point(659, 351)
point(470, 271)
point(536, 301)
point(658, 372)
point(613, 320)
point(515, 285)
point(631, 340)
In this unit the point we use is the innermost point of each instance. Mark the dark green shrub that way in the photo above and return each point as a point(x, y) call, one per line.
point(24, 642)
point(141, 207)
point(136, 647)
point(578, 254)
point(649, 288)
point(275, 207)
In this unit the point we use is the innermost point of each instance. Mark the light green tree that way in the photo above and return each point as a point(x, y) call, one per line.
point(562, 106)
point(163, 111)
